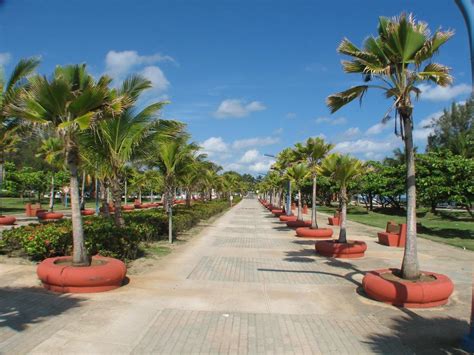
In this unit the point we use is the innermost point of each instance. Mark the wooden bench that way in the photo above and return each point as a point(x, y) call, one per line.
point(394, 236)
point(336, 220)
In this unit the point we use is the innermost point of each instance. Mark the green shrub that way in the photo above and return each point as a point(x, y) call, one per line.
point(40, 241)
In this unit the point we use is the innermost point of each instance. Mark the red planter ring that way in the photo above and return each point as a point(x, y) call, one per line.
point(49, 216)
point(87, 212)
point(285, 218)
point(408, 294)
point(69, 279)
point(7, 220)
point(128, 207)
point(351, 250)
point(277, 212)
point(298, 223)
point(306, 232)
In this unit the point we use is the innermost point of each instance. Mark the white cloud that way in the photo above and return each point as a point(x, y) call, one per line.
point(291, 115)
point(118, 64)
point(214, 145)
point(377, 128)
point(261, 166)
point(237, 108)
point(439, 93)
point(254, 142)
point(366, 146)
point(351, 132)
point(5, 58)
point(250, 156)
point(157, 78)
point(423, 129)
point(331, 121)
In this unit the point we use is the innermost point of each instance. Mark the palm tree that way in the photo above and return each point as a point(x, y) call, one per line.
point(9, 92)
point(284, 160)
point(298, 174)
point(171, 158)
point(312, 153)
point(342, 169)
point(70, 102)
point(116, 142)
point(398, 59)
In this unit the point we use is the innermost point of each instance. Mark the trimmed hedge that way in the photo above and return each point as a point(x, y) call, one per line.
point(40, 241)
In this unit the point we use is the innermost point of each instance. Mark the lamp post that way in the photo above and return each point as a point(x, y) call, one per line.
point(467, 10)
point(288, 196)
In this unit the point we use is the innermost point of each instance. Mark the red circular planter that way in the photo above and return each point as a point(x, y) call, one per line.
point(408, 294)
point(285, 218)
point(7, 220)
point(277, 212)
point(298, 223)
point(49, 216)
point(350, 250)
point(87, 212)
point(306, 232)
point(70, 279)
point(128, 207)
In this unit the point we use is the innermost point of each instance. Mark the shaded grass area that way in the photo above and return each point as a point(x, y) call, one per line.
point(16, 205)
point(453, 228)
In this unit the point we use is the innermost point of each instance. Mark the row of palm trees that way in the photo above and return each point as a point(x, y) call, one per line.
point(396, 61)
point(304, 162)
point(91, 128)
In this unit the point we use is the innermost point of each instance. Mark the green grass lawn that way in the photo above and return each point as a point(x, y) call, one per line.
point(453, 228)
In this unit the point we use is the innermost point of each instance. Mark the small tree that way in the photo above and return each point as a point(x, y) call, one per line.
point(343, 169)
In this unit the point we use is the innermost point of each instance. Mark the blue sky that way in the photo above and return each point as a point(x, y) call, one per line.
point(247, 76)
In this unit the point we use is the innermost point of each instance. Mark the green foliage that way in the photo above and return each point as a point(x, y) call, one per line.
point(39, 241)
point(454, 130)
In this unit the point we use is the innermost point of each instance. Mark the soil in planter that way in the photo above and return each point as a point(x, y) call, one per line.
point(396, 277)
point(69, 263)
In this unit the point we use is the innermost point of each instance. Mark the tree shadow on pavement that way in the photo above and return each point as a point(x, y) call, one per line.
point(21, 307)
point(434, 335)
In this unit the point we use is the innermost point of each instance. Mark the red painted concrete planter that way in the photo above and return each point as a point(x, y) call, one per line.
point(350, 250)
point(306, 232)
point(277, 212)
point(7, 220)
point(57, 277)
point(408, 294)
point(49, 216)
point(128, 207)
point(87, 212)
point(298, 223)
point(285, 218)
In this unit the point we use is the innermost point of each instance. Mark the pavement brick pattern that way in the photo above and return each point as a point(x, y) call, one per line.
point(244, 285)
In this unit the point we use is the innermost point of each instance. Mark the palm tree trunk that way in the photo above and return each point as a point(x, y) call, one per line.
point(299, 216)
point(83, 187)
point(169, 203)
point(117, 199)
point(79, 253)
point(314, 222)
point(188, 198)
point(288, 202)
point(51, 194)
point(343, 217)
point(126, 191)
point(140, 195)
point(410, 266)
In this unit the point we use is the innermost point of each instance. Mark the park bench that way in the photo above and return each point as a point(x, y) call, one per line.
point(336, 220)
point(394, 235)
point(32, 209)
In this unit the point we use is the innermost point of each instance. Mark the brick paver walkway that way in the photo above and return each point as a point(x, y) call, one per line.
point(246, 284)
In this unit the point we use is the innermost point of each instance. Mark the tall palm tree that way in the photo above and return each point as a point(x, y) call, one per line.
point(116, 142)
point(69, 102)
point(285, 159)
point(398, 59)
point(342, 169)
point(9, 92)
point(171, 158)
point(298, 174)
point(312, 153)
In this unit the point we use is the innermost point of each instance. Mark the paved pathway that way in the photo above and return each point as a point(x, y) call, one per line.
point(246, 284)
